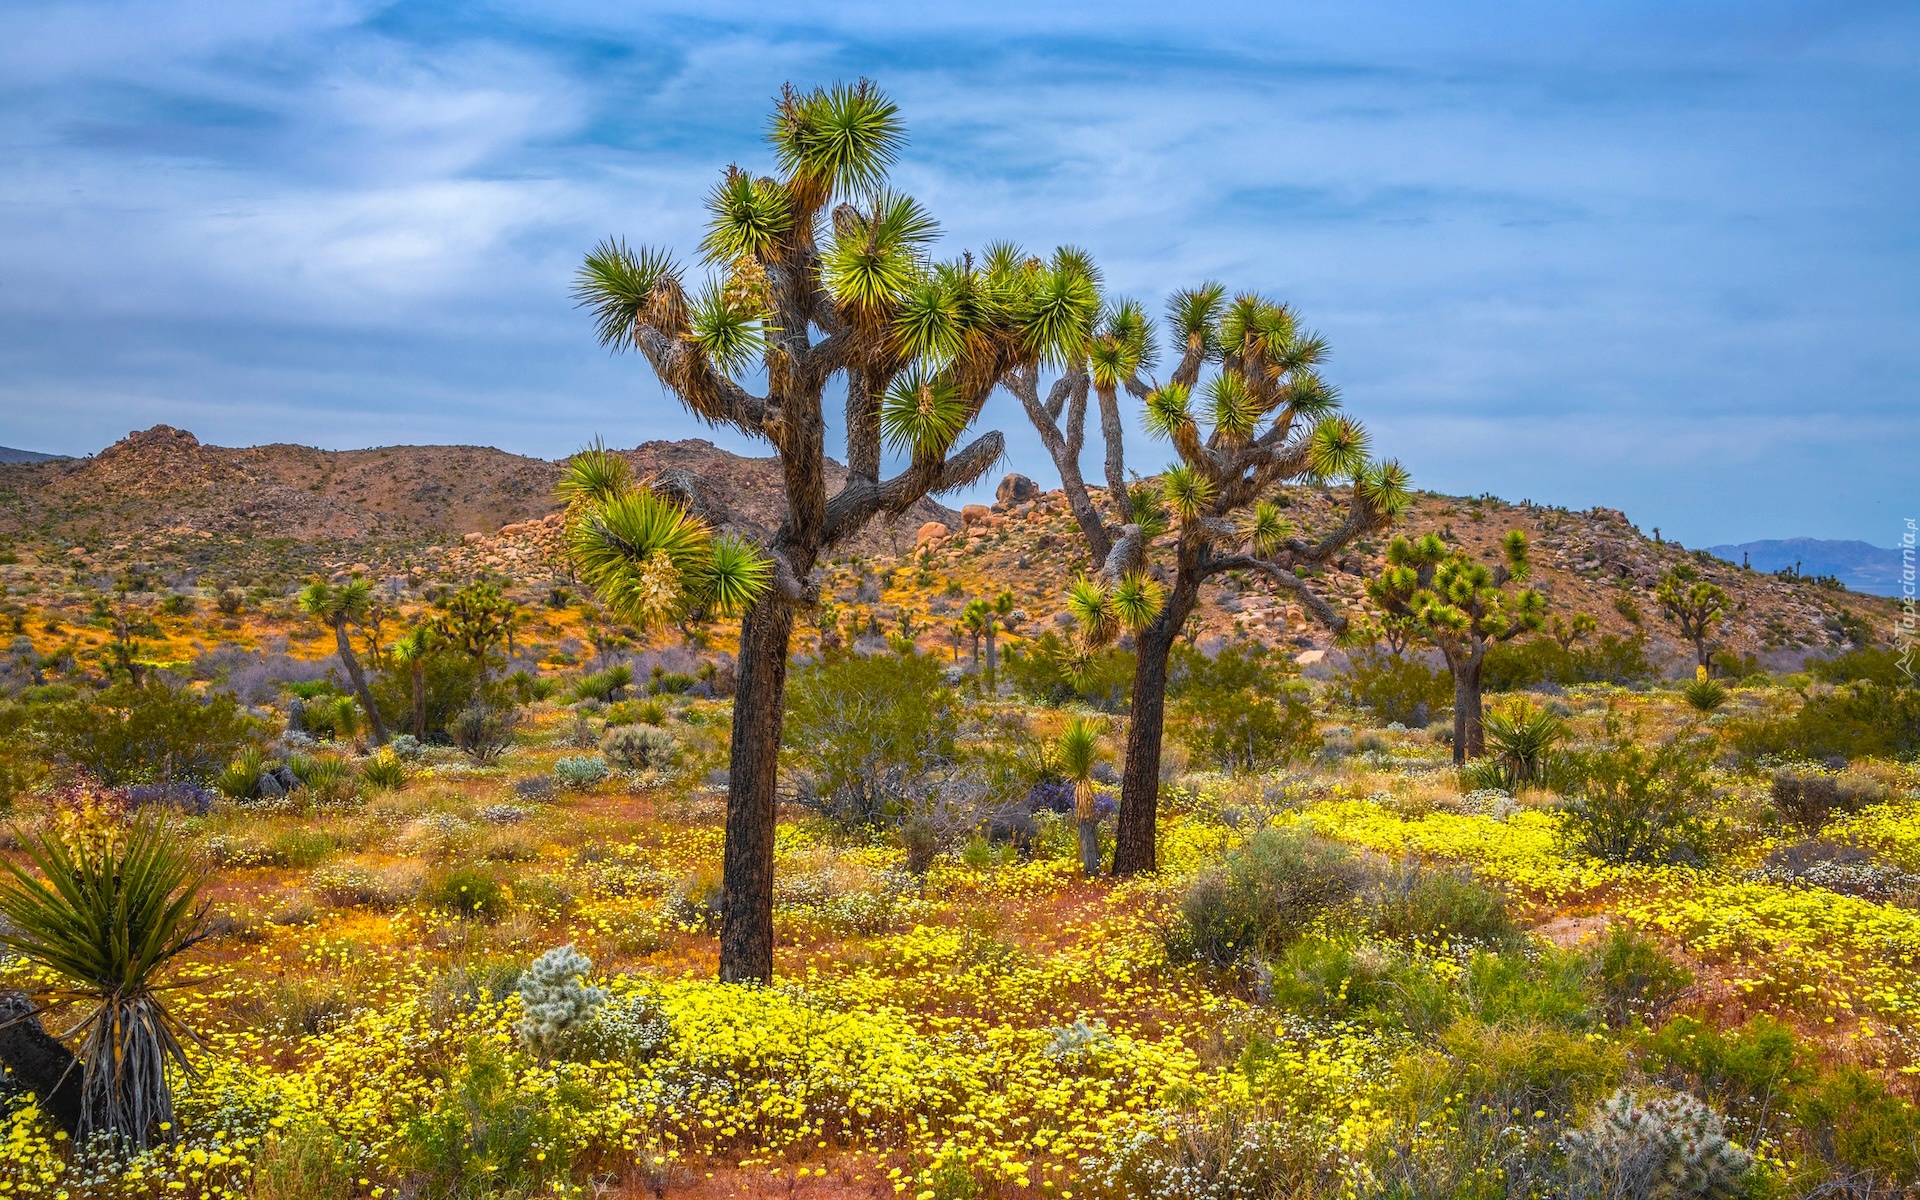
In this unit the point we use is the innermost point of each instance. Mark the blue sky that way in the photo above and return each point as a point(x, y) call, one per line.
point(1658, 256)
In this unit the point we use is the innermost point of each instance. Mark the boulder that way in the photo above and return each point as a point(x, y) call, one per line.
point(974, 514)
point(1015, 488)
point(928, 532)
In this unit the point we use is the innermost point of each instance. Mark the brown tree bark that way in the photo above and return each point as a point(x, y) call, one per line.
point(746, 933)
point(419, 699)
point(1469, 723)
point(352, 663)
point(1134, 840)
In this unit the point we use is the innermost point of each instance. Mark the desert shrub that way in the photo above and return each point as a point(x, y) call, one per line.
point(453, 682)
point(861, 731)
point(178, 605)
point(1226, 1155)
point(1427, 904)
point(152, 733)
point(1045, 671)
point(358, 887)
point(1858, 720)
point(632, 1028)
point(1635, 979)
point(1266, 894)
point(1810, 798)
point(332, 717)
point(298, 847)
point(487, 1126)
point(484, 731)
point(583, 771)
point(1863, 1133)
point(468, 891)
point(1396, 688)
point(1529, 1067)
point(1839, 867)
point(1514, 666)
point(407, 747)
point(1749, 1072)
point(21, 769)
point(1645, 1149)
point(240, 779)
point(1548, 989)
point(1637, 805)
point(640, 747)
point(303, 1161)
point(231, 601)
point(1239, 710)
point(1873, 664)
point(384, 771)
point(555, 1001)
point(651, 711)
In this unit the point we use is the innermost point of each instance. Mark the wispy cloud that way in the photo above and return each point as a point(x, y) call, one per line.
point(1655, 256)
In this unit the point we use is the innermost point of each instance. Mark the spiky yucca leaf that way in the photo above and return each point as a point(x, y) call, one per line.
point(593, 476)
point(1310, 396)
point(841, 138)
point(731, 330)
point(1266, 528)
point(1187, 491)
point(1338, 448)
point(617, 285)
point(749, 217)
point(1167, 411)
point(931, 322)
point(1093, 608)
point(923, 412)
point(1055, 313)
point(1126, 322)
point(108, 917)
point(1137, 599)
point(1079, 748)
point(1147, 507)
point(1386, 488)
point(734, 575)
point(1193, 312)
point(878, 259)
point(1234, 411)
point(1514, 547)
point(1111, 361)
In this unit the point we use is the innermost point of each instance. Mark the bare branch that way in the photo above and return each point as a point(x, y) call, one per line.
point(1284, 578)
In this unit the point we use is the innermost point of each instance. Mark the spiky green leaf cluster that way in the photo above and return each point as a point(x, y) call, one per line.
point(729, 325)
point(839, 140)
point(923, 413)
point(1188, 492)
point(617, 285)
point(650, 560)
point(1167, 410)
point(748, 217)
point(878, 255)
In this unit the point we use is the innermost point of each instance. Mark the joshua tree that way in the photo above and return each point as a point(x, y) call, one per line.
point(412, 652)
point(1079, 747)
point(977, 619)
point(341, 608)
point(479, 618)
point(822, 248)
point(1460, 605)
point(1270, 421)
point(1694, 604)
point(107, 920)
point(1569, 633)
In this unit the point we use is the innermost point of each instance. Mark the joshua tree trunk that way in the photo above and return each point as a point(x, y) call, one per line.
point(1089, 847)
point(1469, 730)
point(1134, 839)
point(419, 682)
point(992, 661)
point(746, 935)
point(352, 663)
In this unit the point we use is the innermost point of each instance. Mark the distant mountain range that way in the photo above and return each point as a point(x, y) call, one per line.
point(9, 455)
point(1863, 567)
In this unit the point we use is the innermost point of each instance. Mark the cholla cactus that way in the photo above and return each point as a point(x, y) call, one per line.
point(555, 1000)
point(1667, 1148)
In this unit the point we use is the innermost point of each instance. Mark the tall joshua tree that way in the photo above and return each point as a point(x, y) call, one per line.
point(1270, 420)
point(341, 608)
point(821, 272)
point(1461, 605)
point(1694, 604)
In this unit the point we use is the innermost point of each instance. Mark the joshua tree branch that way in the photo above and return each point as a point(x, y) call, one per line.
point(861, 499)
point(1323, 612)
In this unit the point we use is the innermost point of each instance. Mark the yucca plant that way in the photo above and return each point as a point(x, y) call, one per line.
point(108, 917)
point(342, 608)
point(1263, 421)
point(242, 776)
point(818, 272)
point(1702, 693)
point(1079, 749)
point(1520, 737)
point(384, 771)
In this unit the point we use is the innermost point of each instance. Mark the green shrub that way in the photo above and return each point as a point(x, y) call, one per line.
point(640, 747)
point(21, 769)
point(329, 780)
point(1636, 980)
point(1704, 695)
point(1430, 905)
point(1857, 720)
point(452, 683)
point(1633, 805)
point(1044, 671)
point(604, 686)
point(473, 892)
point(303, 1162)
point(242, 776)
point(1263, 897)
point(1547, 990)
point(860, 730)
point(582, 771)
point(1749, 1072)
point(1395, 688)
point(1514, 666)
point(333, 717)
point(1861, 1131)
point(1874, 664)
point(178, 605)
point(1810, 798)
point(1239, 710)
point(1520, 739)
point(484, 731)
point(299, 848)
point(1224, 1155)
point(1520, 1069)
point(231, 601)
point(485, 1135)
point(151, 733)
